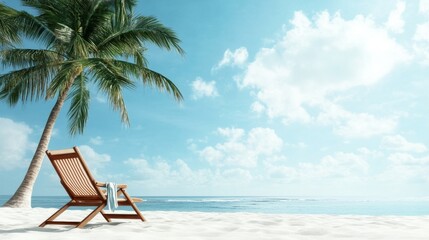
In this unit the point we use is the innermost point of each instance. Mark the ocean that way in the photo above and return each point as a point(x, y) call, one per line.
point(272, 205)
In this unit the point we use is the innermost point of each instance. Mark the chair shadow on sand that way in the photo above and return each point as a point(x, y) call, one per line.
point(56, 229)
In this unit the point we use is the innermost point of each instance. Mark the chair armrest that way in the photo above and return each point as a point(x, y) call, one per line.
point(103, 184)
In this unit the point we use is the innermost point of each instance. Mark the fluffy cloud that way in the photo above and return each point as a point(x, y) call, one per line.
point(339, 164)
point(395, 22)
point(400, 144)
point(178, 173)
point(14, 144)
point(94, 159)
point(346, 165)
point(421, 35)
point(316, 60)
point(424, 6)
point(421, 42)
point(236, 58)
point(243, 149)
point(355, 125)
point(200, 88)
point(406, 167)
point(96, 141)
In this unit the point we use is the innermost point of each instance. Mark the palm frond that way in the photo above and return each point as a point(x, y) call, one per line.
point(141, 30)
point(150, 29)
point(79, 106)
point(111, 82)
point(23, 58)
point(8, 33)
point(80, 47)
point(26, 83)
point(34, 28)
point(161, 82)
point(65, 76)
point(95, 19)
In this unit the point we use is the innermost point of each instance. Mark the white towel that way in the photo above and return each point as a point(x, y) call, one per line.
point(112, 200)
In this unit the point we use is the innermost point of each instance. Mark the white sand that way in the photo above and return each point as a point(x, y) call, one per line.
point(22, 224)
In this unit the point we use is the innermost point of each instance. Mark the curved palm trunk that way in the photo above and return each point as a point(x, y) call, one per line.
point(22, 196)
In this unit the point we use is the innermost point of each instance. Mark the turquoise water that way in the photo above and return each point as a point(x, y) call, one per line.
point(284, 205)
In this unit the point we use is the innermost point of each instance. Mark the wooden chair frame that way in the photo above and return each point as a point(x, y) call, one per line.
point(83, 190)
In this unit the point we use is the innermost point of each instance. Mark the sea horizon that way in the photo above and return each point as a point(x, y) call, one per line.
point(267, 204)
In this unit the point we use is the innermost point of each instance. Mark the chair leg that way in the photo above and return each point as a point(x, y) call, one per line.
point(91, 216)
point(133, 205)
point(104, 215)
point(56, 214)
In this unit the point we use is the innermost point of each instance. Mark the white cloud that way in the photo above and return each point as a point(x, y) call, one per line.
point(95, 160)
point(355, 125)
point(316, 60)
point(364, 125)
point(200, 88)
point(421, 35)
point(340, 164)
point(237, 174)
point(236, 58)
point(257, 107)
point(157, 176)
point(243, 149)
point(400, 144)
point(345, 165)
point(169, 174)
point(406, 167)
point(96, 141)
point(424, 6)
point(422, 31)
point(14, 144)
point(408, 159)
point(100, 98)
point(421, 42)
point(395, 22)
point(161, 170)
point(282, 172)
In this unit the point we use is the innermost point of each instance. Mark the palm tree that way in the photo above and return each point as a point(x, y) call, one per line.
point(85, 43)
point(8, 34)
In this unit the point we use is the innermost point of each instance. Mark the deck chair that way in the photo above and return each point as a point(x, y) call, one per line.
point(84, 190)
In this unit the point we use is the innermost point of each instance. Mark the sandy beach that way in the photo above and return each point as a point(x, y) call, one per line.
point(22, 224)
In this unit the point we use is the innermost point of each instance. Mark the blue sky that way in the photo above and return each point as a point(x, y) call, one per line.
point(291, 98)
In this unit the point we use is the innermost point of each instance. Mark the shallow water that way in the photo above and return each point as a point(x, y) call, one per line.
point(291, 205)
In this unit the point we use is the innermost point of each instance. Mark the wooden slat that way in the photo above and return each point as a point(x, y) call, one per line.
point(86, 203)
point(123, 200)
point(63, 156)
point(63, 222)
point(75, 177)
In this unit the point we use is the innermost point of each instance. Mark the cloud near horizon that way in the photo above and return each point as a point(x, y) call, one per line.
point(14, 144)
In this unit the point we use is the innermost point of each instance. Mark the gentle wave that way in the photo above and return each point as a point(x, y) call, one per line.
point(291, 205)
point(202, 200)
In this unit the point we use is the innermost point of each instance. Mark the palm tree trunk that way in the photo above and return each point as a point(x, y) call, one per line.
point(22, 196)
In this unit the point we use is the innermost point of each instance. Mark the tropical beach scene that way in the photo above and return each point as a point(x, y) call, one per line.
point(189, 119)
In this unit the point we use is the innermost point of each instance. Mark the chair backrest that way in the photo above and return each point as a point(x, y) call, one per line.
point(74, 174)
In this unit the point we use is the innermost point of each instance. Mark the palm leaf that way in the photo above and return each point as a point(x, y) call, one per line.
point(63, 78)
point(27, 83)
point(142, 29)
point(79, 106)
point(158, 80)
point(22, 58)
point(111, 81)
point(8, 33)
